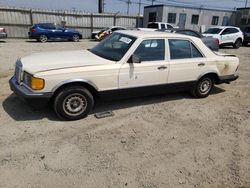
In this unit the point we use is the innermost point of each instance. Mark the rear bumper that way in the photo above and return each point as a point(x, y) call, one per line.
point(228, 79)
point(3, 35)
point(37, 99)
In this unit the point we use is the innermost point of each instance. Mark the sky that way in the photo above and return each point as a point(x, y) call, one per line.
point(114, 6)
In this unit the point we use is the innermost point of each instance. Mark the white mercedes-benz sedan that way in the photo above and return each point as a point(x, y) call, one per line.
point(125, 64)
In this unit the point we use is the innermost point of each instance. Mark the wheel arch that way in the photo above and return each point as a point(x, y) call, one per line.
point(76, 82)
point(239, 38)
point(213, 75)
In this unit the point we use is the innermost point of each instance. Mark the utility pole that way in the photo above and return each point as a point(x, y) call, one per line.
point(100, 6)
point(128, 3)
point(246, 4)
point(153, 2)
point(139, 8)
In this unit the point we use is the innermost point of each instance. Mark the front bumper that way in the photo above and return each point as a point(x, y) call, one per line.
point(3, 35)
point(227, 79)
point(39, 99)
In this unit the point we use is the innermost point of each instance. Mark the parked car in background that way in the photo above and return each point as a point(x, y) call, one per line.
point(153, 26)
point(126, 64)
point(211, 42)
point(227, 35)
point(246, 36)
point(3, 33)
point(99, 35)
point(50, 31)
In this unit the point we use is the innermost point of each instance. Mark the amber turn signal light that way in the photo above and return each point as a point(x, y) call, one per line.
point(37, 83)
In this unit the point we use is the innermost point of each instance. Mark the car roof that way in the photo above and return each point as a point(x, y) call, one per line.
point(153, 34)
point(115, 26)
point(224, 27)
point(159, 23)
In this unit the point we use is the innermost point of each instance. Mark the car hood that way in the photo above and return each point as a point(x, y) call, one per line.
point(40, 62)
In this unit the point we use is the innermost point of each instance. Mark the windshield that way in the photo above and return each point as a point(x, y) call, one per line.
point(114, 47)
point(153, 25)
point(213, 31)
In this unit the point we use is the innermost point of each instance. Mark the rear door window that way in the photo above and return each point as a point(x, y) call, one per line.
point(48, 26)
point(163, 26)
point(233, 30)
point(183, 49)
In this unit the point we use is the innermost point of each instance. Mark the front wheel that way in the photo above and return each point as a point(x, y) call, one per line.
point(203, 87)
point(237, 44)
point(73, 103)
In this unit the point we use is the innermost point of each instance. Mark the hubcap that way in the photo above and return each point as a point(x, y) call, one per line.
point(43, 38)
point(75, 38)
point(74, 104)
point(205, 86)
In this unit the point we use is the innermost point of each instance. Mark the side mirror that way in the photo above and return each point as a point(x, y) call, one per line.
point(134, 59)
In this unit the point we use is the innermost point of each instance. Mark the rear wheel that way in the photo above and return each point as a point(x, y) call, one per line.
point(43, 38)
point(73, 103)
point(203, 87)
point(237, 44)
point(75, 38)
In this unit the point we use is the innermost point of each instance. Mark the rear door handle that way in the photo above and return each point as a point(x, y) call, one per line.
point(201, 64)
point(162, 68)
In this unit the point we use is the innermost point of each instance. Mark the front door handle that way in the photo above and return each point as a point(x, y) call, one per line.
point(162, 68)
point(201, 64)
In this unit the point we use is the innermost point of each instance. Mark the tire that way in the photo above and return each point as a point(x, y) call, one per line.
point(75, 38)
point(203, 87)
point(73, 103)
point(237, 44)
point(43, 38)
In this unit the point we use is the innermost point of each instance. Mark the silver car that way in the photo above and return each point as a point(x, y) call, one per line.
point(210, 42)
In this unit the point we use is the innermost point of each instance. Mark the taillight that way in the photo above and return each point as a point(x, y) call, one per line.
point(33, 30)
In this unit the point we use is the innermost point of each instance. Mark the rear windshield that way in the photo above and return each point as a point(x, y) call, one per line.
point(213, 31)
point(153, 25)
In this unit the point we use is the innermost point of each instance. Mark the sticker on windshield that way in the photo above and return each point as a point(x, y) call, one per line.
point(125, 40)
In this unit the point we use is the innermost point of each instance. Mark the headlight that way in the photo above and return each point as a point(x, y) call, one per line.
point(33, 82)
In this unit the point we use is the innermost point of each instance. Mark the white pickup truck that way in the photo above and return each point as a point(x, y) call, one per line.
point(126, 64)
point(153, 26)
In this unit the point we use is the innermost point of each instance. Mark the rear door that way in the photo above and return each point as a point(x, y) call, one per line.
point(186, 61)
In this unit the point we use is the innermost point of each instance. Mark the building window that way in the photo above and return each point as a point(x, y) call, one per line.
point(195, 19)
point(172, 18)
point(152, 17)
point(215, 20)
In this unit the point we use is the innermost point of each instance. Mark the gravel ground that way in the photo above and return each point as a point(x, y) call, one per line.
point(151, 142)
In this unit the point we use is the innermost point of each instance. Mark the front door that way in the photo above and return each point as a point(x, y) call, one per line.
point(153, 69)
point(182, 20)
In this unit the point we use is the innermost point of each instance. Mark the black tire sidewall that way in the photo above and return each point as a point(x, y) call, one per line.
point(197, 93)
point(58, 102)
point(237, 44)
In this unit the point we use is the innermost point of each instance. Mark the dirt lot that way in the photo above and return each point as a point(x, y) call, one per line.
point(151, 142)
